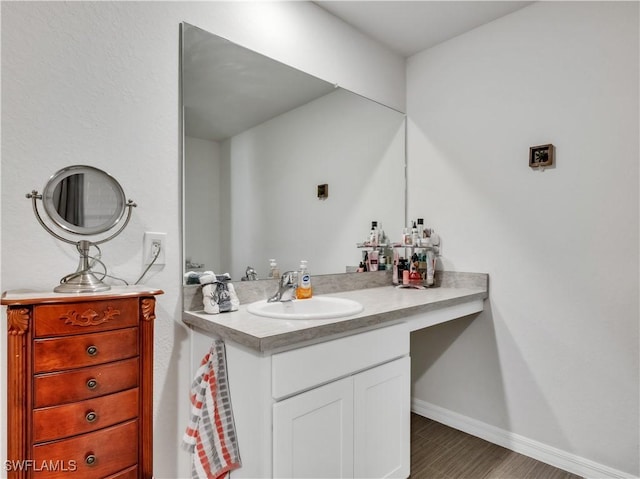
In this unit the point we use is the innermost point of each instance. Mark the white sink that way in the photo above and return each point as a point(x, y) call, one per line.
point(317, 307)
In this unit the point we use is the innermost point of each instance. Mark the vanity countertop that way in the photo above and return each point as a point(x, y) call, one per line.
point(381, 305)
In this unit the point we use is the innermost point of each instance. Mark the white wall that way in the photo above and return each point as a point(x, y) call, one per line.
point(354, 145)
point(97, 83)
point(203, 202)
point(554, 358)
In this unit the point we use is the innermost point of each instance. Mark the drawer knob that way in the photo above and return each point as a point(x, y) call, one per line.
point(92, 383)
point(92, 350)
point(91, 416)
point(90, 460)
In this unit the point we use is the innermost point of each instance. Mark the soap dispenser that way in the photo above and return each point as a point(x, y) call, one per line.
point(303, 291)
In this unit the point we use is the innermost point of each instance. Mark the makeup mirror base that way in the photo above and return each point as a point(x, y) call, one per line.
point(83, 280)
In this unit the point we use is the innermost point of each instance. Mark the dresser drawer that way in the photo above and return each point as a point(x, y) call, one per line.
point(129, 473)
point(305, 368)
point(57, 422)
point(85, 317)
point(94, 455)
point(54, 354)
point(52, 389)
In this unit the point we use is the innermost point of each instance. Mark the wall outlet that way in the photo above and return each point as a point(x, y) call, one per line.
point(152, 243)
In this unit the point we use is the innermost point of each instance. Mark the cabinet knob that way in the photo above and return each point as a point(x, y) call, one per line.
point(92, 350)
point(90, 460)
point(92, 383)
point(91, 416)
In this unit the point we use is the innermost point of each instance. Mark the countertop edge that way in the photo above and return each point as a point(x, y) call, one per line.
point(23, 297)
point(324, 331)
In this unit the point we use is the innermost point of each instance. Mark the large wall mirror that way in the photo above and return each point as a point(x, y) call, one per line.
point(259, 137)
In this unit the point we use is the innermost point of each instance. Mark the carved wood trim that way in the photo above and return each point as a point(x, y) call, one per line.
point(18, 320)
point(89, 317)
point(148, 307)
point(18, 367)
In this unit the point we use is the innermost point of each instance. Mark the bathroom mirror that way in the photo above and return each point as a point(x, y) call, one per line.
point(84, 200)
point(259, 138)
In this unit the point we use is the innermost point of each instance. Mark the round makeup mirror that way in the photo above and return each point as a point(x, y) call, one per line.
point(83, 200)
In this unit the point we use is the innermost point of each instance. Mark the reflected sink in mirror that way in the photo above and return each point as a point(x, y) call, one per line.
point(318, 307)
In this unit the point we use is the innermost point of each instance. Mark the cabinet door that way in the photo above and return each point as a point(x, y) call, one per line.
point(382, 421)
point(313, 433)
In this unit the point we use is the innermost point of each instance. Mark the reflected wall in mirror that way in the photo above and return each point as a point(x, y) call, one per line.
point(259, 137)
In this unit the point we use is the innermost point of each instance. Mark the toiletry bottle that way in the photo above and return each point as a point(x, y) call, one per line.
point(431, 267)
point(414, 275)
point(415, 239)
point(420, 230)
point(406, 237)
point(373, 235)
point(373, 260)
point(396, 262)
point(274, 272)
point(403, 272)
point(303, 291)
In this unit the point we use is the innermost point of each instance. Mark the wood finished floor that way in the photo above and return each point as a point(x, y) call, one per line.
point(441, 452)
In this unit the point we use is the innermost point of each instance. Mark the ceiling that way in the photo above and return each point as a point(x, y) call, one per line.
point(408, 27)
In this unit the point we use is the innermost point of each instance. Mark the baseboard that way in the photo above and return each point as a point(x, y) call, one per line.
point(520, 444)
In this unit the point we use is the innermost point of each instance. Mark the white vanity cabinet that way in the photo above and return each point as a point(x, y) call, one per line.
point(313, 433)
point(335, 409)
point(343, 407)
point(353, 427)
point(382, 412)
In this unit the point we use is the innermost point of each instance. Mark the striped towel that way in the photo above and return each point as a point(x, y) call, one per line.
point(211, 434)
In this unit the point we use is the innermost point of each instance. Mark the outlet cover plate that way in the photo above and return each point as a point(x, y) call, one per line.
point(147, 250)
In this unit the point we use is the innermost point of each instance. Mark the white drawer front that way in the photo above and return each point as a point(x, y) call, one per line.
point(304, 368)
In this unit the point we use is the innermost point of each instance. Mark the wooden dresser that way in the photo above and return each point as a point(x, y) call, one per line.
point(80, 384)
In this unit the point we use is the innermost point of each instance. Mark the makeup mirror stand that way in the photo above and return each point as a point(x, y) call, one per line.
point(83, 280)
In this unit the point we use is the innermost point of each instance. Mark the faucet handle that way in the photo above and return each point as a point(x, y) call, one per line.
point(250, 274)
point(287, 284)
point(288, 278)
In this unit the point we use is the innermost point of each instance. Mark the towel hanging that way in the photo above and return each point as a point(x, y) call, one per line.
point(211, 435)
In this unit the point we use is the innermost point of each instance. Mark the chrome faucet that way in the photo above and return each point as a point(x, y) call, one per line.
point(286, 287)
point(250, 274)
